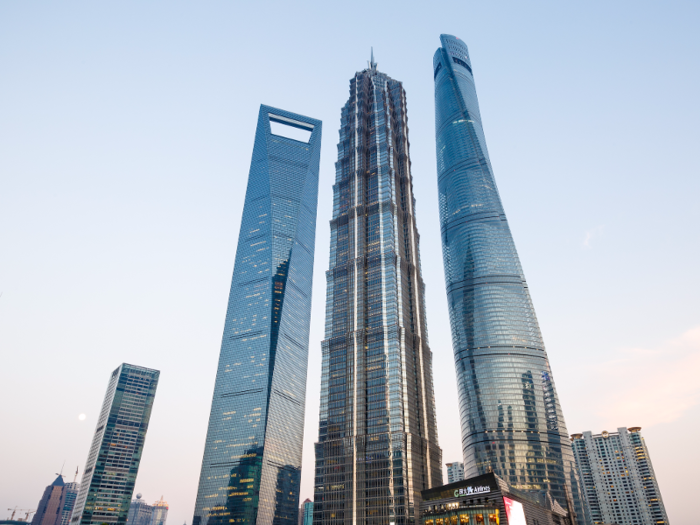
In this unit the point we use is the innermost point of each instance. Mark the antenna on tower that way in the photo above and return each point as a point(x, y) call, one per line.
point(76, 474)
point(372, 63)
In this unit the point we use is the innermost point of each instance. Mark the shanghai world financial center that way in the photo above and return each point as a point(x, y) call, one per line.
point(252, 458)
point(377, 447)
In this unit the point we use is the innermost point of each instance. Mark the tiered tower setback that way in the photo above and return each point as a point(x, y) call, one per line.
point(377, 446)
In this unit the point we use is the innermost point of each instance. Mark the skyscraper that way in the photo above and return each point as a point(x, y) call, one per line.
point(159, 515)
point(117, 446)
point(252, 457)
point(377, 445)
point(56, 504)
point(70, 494)
point(308, 512)
point(618, 479)
point(455, 472)
point(50, 507)
point(510, 414)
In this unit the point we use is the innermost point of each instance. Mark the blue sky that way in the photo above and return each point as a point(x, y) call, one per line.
point(126, 130)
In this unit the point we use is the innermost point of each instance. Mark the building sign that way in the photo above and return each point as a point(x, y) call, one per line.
point(515, 512)
point(468, 491)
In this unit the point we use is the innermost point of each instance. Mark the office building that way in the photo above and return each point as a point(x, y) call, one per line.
point(489, 500)
point(377, 447)
point(139, 512)
point(307, 509)
point(70, 495)
point(455, 472)
point(511, 419)
point(159, 514)
point(50, 508)
point(117, 447)
point(618, 478)
point(252, 457)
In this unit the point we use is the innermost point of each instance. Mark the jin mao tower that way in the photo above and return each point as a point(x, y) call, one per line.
point(510, 415)
point(377, 446)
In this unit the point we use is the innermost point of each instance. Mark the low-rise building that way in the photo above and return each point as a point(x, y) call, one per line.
point(488, 500)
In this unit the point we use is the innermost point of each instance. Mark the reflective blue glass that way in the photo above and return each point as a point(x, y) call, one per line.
point(510, 414)
point(377, 446)
point(252, 458)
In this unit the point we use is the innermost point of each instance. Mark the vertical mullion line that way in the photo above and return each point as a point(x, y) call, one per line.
point(354, 334)
point(385, 328)
point(416, 286)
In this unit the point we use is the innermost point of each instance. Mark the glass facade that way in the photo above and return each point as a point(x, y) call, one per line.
point(618, 478)
point(377, 446)
point(510, 414)
point(70, 494)
point(480, 516)
point(308, 516)
point(115, 454)
point(252, 458)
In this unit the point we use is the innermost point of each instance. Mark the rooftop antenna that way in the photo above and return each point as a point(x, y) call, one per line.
point(61, 473)
point(76, 474)
point(372, 63)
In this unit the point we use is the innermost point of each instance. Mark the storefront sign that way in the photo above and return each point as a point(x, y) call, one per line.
point(468, 491)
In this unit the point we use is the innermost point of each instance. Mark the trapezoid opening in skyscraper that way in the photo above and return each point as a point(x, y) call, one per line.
point(252, 458)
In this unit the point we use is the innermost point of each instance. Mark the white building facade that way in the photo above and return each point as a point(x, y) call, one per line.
point(618, 478)
point(455, 472)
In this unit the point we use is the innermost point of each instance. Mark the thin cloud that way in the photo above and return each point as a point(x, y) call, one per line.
point(651, 386)
point(590, 235)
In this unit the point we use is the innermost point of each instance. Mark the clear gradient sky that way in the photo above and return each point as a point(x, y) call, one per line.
point(126, 132)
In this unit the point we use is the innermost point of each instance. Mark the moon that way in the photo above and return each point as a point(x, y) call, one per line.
point(82, 417)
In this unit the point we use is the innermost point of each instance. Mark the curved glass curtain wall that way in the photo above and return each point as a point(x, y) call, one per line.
point(377, 446)
point(252, 458)
point(510, 414)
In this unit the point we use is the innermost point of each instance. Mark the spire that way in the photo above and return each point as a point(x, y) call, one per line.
point(372, 63)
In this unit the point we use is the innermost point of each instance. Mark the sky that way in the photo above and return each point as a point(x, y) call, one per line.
point(126, 132)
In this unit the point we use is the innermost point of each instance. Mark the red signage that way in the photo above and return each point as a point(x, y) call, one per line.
point(515, 512)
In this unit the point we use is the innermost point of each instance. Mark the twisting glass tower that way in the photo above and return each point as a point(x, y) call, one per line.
point(252, 457)
point(510, 414)
point(377, 446)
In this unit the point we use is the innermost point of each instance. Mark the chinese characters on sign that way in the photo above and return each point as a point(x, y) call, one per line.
point(467, 491)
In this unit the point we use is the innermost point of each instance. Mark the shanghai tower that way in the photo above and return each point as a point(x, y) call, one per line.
point(510, 415)
point(377, 446)
point(252, 457)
